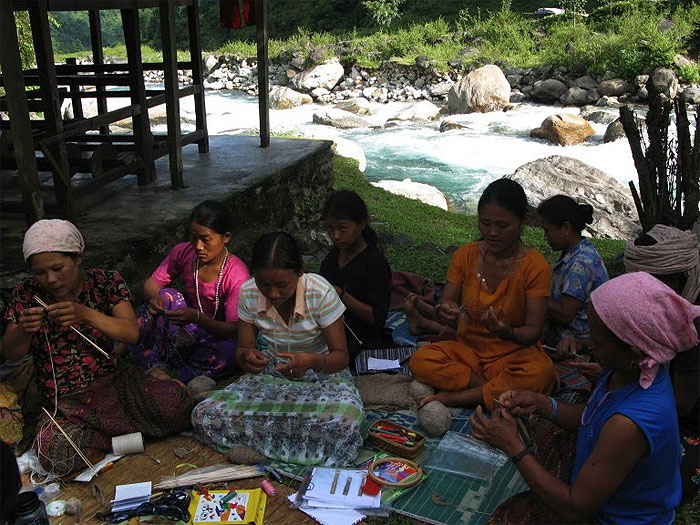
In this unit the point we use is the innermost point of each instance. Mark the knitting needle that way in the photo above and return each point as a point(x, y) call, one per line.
point(70, 442)
point(44, 305)
point(353, 333)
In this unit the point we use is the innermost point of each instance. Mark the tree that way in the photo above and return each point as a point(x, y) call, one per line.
point(24, 38)
point(668, 164)
point(383, 12)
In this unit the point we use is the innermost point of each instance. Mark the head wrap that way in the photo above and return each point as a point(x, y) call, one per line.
point(649, 316)
point(675, 251)
point(52, 235)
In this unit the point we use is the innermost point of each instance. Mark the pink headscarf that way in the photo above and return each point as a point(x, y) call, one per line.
point(649, 316)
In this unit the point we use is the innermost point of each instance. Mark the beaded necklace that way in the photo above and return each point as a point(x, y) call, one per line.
point(218, 285)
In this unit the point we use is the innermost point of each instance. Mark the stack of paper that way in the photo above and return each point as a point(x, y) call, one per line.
point(130, 496)
point(335, 497)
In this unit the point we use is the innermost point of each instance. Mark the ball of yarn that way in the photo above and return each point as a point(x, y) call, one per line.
point(242, 455)
point(72, 506)
point(435, 418)
point(419, 390)
point(200, 386)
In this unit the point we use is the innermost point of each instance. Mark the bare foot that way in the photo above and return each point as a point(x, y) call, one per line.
point(417, 322)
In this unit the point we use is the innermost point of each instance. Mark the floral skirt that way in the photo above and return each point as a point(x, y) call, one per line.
point(312, 421)
point(187, 350)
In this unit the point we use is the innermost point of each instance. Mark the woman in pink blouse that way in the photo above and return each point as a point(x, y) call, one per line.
point(194, 333)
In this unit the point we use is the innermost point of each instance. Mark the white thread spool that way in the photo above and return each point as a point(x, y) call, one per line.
point(127, 444)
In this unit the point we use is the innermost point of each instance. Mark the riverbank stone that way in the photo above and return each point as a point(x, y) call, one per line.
point(480, 91)
point(564, 129)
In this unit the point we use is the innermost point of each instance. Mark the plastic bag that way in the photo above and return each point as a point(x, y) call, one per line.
point(466, 456)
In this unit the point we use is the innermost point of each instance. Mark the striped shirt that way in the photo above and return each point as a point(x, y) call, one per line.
point(316, 306)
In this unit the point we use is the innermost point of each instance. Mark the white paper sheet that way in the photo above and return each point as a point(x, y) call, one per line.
point(327, 516)
point(374, 363)
point(130, 496)
point(86, 475)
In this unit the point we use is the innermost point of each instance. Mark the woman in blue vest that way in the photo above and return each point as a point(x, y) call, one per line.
point(627, 462)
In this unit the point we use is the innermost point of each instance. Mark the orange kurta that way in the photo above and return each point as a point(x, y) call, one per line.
point(505, 365)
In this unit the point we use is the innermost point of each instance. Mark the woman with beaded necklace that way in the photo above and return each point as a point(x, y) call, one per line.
point(195, 333)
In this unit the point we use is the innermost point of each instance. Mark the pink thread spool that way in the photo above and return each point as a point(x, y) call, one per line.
point(268, 488)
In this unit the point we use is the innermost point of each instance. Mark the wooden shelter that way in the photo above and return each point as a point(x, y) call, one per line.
point(85, 145)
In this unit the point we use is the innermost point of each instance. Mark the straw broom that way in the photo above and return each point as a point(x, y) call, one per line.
point(224, 473)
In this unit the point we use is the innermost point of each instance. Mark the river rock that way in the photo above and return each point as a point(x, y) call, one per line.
point(210, 64)
point(585, 82)
point(323, 75)
point(423, 110)
point(348, 149)
point(549, 90)
point(599, 116)
point(286, 98)
point(691, 95)
point(575, 96)
point(614, 212)
point(440, 89)
point(614, 131)
point(564, 129)
point(339, 119)
point(613, 87)
point(414, 190)
point(665, 81)
point(680, 61)
point(482, 90)
point(357, 105)
point(449, 124)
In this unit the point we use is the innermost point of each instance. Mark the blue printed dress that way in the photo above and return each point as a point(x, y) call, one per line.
point(577, 274)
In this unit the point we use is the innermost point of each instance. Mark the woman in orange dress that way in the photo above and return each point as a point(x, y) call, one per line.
point(496, 292)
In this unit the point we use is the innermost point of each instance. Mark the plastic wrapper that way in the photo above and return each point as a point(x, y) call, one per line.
point(466, 456)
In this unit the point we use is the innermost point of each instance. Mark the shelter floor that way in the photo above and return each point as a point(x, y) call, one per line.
point(140, 467)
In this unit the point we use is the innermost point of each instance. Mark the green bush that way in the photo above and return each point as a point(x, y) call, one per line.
point(690, 74)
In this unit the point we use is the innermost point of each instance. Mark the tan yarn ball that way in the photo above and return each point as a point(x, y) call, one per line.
point(200, 387)
point(419, 390)
point(435, 419)
point(241, 455)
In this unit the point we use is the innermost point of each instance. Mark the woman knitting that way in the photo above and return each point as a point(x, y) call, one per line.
point(298, 402)
point(194, 333)
point(626, 468)
point(497, 291)
point(90, 397)
point(579, 270)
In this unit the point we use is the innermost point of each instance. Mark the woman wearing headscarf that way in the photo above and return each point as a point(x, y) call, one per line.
point(626, 467)
point(88, 395)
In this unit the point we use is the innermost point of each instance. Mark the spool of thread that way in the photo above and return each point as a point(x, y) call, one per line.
point(127, 444)
point(268, 488)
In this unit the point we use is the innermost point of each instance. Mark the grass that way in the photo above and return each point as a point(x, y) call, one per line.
point(420, 238)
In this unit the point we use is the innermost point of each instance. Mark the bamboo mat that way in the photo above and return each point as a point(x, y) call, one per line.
point(139, 467)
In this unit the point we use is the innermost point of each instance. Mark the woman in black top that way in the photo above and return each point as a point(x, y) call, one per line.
point(357, 269)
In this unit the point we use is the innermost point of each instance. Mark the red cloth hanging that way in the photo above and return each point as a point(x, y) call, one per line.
point(230, 14)
point(249, 12)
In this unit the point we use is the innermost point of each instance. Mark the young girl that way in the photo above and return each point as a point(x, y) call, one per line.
point(298, 402)
point(357, 269)
point(579, 270)
point(195, 333)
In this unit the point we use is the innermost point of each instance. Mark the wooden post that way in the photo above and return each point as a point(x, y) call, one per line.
point(20, 126)
point(76, 101)
point(172, 98)
point(41, 36)
point(200, 109)
point(98, 59)
point(142, 129)
point(263, 82)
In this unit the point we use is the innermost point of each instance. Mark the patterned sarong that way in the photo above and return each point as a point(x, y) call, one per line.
point(314, 421)
point(122, 402)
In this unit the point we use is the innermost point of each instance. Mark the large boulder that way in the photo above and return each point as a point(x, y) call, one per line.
point(665, 81)
point(482, 90)
point(286, 98)
point(614, 212)
point(339, 119)
point(423, 110)
point(549, 90)
point(357, 105)
point(575, 96)
point(414, 190)
point(613, 87)
point(614, 131)
point(691, 95)
point(564, 129)
point(324, 75)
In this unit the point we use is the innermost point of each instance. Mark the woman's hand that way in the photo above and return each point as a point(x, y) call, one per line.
point(590, 370)
point(31, 319)
point(521, 402)
point(497, 323)
point(67, 313)
point(569, 346)
point(252, 360)
point(298, 365)
point(182, 316)
point(447, 312)
point(500, 431)
point(156, 305)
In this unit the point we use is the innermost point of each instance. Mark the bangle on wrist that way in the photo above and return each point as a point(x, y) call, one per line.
point(530, 449)
point(555, 409)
